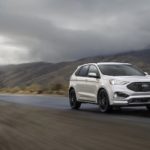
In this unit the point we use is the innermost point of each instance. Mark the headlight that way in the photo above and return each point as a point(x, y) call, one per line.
point(118, 82)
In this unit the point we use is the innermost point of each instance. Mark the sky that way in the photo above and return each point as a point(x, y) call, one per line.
point(63, 30)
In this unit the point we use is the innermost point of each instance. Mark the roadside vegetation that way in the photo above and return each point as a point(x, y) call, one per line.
point(58, 89)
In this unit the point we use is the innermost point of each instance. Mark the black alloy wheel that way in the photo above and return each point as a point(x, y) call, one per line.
point(103, 101)
point(74, 104)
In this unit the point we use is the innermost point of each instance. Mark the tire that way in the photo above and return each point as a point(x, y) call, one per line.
point(148, 107)
point(103, 101)
point(74, 104)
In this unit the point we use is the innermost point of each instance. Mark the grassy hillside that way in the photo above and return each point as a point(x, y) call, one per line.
point(56, 75)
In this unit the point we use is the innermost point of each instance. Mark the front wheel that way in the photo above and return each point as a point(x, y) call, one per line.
point(103, 101)
point(74, 104)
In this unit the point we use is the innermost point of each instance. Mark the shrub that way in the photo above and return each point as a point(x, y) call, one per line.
point(57, 87)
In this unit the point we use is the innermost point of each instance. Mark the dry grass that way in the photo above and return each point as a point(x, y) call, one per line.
point(58, 89)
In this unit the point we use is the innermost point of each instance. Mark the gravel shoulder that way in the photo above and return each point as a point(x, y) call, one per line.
point(31, 128)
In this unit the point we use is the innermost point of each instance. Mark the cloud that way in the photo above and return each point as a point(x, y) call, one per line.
point(60, 30)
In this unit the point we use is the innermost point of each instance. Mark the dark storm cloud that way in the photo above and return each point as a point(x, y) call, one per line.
point(58, 30)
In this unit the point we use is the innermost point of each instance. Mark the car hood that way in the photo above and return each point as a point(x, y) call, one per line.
point(130, 78)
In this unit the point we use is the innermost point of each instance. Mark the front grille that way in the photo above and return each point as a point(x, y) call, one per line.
point(139, 86)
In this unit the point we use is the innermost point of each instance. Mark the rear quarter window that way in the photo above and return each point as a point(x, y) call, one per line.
point(82, 71)
point(77, 71)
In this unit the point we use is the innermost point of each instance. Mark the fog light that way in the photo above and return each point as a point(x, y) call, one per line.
point(120, 95)
point(115, 95)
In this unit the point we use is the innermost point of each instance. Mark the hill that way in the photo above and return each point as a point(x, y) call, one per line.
point(46, 74)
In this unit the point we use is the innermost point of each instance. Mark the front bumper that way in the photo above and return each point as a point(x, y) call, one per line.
point(133, 100)
point(127, 97)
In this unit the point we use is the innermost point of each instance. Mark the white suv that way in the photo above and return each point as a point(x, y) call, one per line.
point(109, 84)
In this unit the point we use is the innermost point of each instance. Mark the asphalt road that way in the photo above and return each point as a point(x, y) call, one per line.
point(49, 123)
point(133, 114)
point(57, 102)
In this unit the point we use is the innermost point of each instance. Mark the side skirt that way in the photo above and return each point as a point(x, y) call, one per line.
point(87, 101)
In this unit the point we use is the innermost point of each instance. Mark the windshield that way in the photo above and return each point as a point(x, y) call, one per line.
point(120, 70)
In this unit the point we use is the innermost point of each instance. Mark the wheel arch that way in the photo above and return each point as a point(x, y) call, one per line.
point(71, 88)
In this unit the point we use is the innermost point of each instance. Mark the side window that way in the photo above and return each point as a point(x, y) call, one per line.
point(83, 71)
point(93, 69)
point(77, 72)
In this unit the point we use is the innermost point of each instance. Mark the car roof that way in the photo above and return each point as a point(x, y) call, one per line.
point(112, 63)
point(105, 63)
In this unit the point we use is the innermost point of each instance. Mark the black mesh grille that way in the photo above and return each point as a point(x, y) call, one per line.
point(139, 86)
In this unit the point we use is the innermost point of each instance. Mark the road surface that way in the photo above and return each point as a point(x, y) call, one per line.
point(58, 102)
point(47, 122)
point(139, 114)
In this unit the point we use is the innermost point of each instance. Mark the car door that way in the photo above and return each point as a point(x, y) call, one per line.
point(81, 81)
point(92, 84)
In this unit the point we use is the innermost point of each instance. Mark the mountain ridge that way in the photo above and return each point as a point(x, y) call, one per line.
point(46, 73)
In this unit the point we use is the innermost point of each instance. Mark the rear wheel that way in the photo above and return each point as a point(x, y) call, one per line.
point(74, 104)
point(103, 101)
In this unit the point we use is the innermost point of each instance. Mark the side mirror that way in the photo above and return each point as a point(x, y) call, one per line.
point(92, 75)
point(146, 73)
